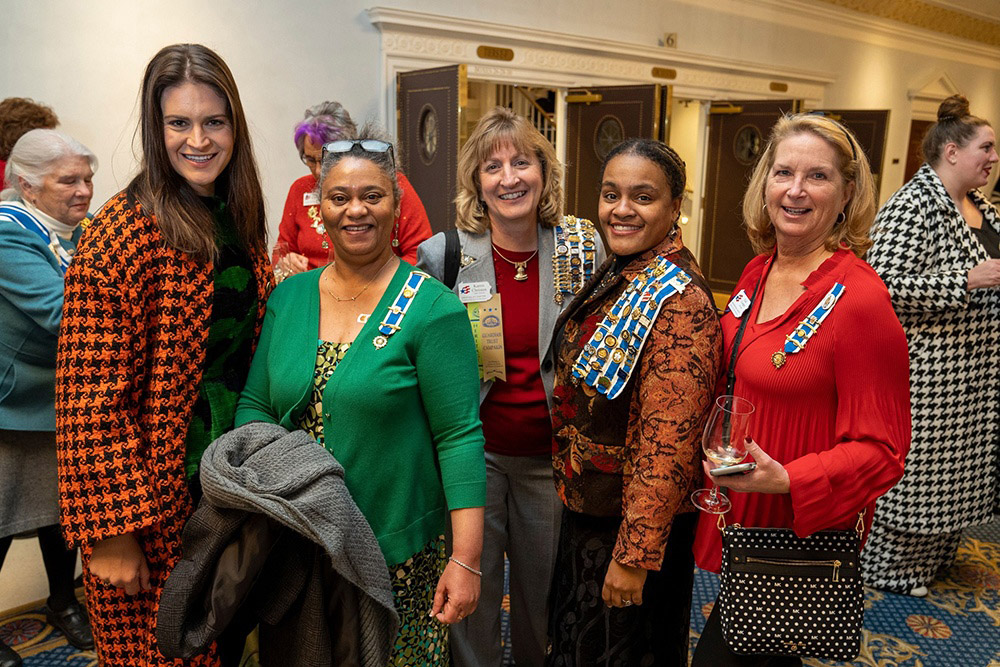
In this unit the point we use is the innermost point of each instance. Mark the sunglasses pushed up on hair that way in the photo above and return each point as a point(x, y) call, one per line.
point(367, 145)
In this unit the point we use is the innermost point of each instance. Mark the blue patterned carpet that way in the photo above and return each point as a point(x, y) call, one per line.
point(956, 625)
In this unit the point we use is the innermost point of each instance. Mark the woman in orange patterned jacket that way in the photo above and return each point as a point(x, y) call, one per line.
point(637, 362)
point(163, 304)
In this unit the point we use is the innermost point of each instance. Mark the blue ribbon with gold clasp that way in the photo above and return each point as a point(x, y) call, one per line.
point(393, 320)
point(807, 328)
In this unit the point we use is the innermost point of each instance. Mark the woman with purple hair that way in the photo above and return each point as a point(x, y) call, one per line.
point(301, 229)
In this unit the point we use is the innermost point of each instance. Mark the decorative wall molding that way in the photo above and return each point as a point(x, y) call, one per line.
point(928, 98)
point(415, 40)
point(827, 19)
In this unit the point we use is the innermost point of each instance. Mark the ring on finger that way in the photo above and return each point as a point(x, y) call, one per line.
point(626, 603)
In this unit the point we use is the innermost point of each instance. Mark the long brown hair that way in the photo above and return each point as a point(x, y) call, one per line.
point(186, 223)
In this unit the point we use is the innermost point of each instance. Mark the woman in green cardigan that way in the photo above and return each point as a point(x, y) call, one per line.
point(377, 362)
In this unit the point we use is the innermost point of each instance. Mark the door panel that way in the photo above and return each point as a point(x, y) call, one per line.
point(593, 128)
point(428, 107)
point(737, 136)
point(871, 129)
point(914, 150)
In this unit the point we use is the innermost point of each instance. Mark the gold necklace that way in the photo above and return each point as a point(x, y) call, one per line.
point(367, 285)
point(522, 273)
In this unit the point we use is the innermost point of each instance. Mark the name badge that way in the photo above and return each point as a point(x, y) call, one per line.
point(739, 304)
point(310, 198)
point(486, 319)
point(474, 292)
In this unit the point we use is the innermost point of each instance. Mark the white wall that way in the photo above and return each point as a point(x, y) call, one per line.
point(85, 59)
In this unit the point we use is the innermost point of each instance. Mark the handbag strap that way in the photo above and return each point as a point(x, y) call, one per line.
point(859, 527)
point(731, 373)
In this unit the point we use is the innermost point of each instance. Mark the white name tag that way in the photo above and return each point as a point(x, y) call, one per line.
point(474, 292)
point(310, 198)
point(739, 304)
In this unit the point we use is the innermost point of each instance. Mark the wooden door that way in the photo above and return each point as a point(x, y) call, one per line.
point(870, 126)
point(915, 150)
point(598, 119)
point(737, 136)
point(429, 104)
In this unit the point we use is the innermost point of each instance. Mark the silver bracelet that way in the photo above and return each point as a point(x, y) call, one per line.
point(462, 565)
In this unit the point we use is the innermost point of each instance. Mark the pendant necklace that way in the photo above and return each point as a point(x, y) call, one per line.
point(522, 267)
point(367, 285)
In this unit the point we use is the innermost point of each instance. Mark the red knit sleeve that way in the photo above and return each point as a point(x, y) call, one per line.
point(871, 371)
point(414, 226)
point(288, 229)
point(677, 377)
point(105, 488)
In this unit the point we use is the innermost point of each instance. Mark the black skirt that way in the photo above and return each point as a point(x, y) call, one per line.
point(585, 632)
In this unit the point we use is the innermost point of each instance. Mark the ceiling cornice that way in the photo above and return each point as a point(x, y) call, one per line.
point(825, 18)
point(929, 16)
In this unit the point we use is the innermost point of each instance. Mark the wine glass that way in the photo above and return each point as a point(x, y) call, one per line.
point(281, 249)
point(724, 444)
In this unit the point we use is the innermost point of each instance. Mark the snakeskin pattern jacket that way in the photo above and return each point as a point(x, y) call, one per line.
point(637, 456)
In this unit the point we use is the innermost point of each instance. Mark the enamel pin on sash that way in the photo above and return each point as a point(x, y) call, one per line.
point(393, 320)
point(807, 328)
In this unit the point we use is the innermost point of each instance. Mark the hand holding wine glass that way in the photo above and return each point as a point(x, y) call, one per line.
point(724, 443)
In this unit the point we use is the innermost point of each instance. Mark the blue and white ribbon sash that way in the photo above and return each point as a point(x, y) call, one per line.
point(393, 320)
point(608, 358)
point(24, 219)
point(806, 329)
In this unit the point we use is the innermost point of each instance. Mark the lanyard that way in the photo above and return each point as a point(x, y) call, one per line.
point(731, 373)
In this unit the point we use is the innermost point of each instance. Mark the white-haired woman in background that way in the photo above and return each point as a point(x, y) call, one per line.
point(50, 185)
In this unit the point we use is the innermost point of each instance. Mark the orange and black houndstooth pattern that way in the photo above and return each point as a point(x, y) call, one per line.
point(131, 350)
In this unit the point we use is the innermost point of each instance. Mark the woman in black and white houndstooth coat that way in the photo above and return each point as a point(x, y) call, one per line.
point(936, 244)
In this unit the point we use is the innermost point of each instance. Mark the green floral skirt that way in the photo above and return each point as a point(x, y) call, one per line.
point(422, 641)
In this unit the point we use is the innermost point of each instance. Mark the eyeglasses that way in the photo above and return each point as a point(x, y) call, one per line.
point(367, 145)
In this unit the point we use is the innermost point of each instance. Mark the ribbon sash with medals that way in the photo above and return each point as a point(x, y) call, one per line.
point(805, 329)
point(608, 358)
point(393, 320)
point(573, 257)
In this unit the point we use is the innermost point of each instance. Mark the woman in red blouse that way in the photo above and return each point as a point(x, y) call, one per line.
point(301, 229)
point(831, 426)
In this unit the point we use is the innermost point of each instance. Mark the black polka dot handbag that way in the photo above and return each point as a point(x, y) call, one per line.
point(787, 595)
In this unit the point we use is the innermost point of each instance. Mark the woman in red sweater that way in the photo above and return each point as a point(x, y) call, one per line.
point(301, 233)
point(832, 421)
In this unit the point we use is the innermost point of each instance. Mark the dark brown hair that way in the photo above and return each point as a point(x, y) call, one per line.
point(955, 125)
point(184, 220)
point(19, 115)
point(660, 154)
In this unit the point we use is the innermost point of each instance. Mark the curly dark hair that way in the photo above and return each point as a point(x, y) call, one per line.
point(19, 115)
point(660, 154)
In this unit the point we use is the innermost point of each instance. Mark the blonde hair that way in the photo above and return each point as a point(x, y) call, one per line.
point(853, 166)
point(503, 126)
